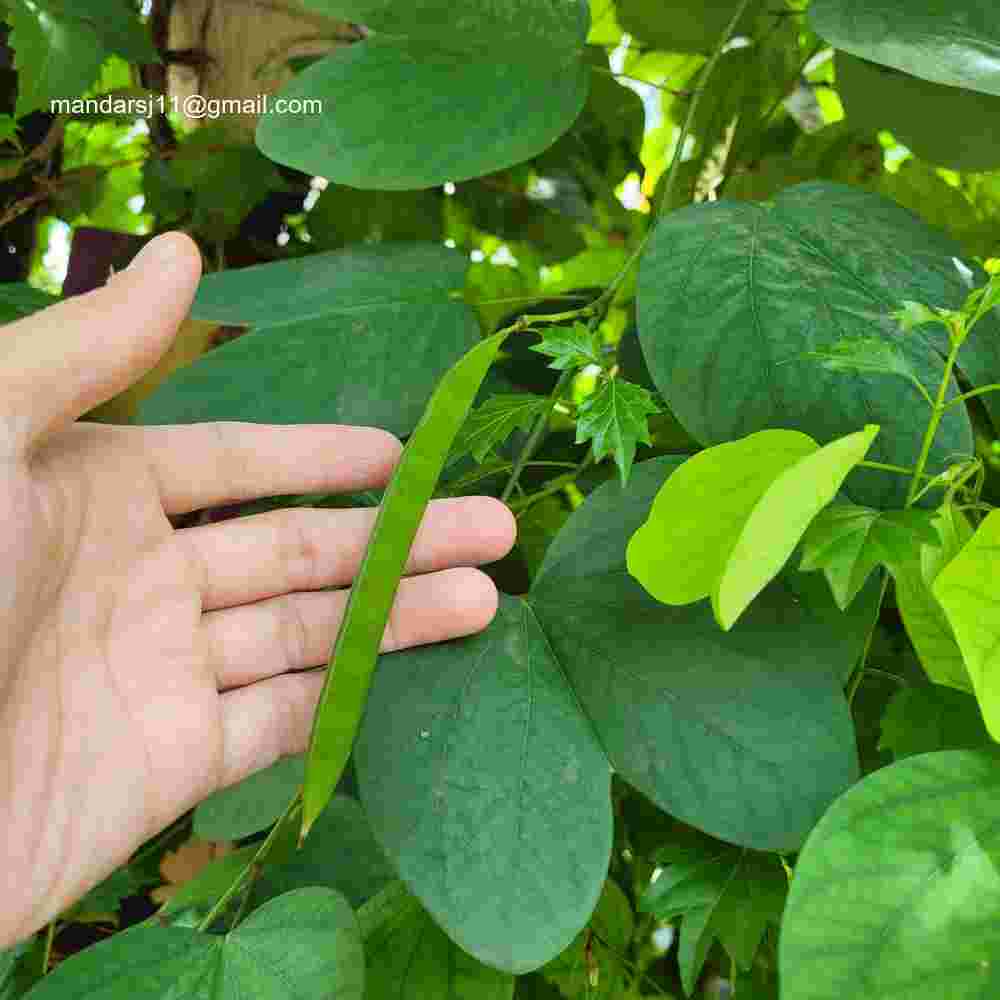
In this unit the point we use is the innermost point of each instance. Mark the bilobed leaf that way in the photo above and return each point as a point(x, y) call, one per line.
point(342, 701)
point(726, 522)
point(968, 589)
point(777, 522)
point(493, 422)
point(303, 944)
point(250, 805)
point(408, 957)
point(486, 760)
point(715, 318)
point(923, 617)
point(847, 542)
point(592, 967)
point(59, 47)
point(896, 893)
point(957, 44)
point(931, 717)
point(721, 892)
point(616, 419)
point(573, 346)
point(439, 91)
point(354, 336)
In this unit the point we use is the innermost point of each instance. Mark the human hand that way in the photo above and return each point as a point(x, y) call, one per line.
point(144, 667)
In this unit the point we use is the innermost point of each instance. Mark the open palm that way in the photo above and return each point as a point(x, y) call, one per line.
point(143, 667)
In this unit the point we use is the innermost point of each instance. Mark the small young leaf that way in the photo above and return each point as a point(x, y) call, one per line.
point(914, 314)
point(616, 418)
point(968, 589)
point(571, 347)
point(866, 354)
point(847, 542)
point(342, 700)
point(721, 892)
point(493, 422)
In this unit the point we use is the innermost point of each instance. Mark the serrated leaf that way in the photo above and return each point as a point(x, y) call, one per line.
point(968, 589)
point(720, 892)
point(615, 417)
point(726, 522)
point(847, 542)
point(929, 718)
point(570, 346)
point(896, 893)
point(492, 423)
point(59, 47)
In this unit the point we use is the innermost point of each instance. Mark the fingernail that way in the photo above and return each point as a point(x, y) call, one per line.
point(161, 252)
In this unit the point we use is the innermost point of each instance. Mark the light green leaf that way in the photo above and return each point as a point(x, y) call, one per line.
point(942, 124)
point(721, 892)
point(896, 893)
point(776, 524)
point(931, 717)
point(914, 314)
point(592, 966)
point(8, 131)
point(303, 944)
point(342, 701)
point(573, 346)
point(493, 422)
point(715, 317)
point(615, 417)
point(957, 44)
point(865, 354)
point(250, 805)
point(440, 91)
point(409, 957)
point(59, 47)
point(967, 590)
point(356, 336)
point(847, 542)
point(726, 522)
point(485, 760)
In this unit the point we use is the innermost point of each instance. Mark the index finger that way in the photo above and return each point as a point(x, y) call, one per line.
point(205, 465)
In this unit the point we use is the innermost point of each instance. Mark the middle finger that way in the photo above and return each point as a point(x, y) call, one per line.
point(285, 551)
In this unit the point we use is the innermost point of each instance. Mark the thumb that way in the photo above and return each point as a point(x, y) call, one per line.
point(63, 361)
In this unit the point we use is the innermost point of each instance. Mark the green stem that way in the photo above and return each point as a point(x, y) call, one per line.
point(484, 472)
point(557, 484)
point(255, 871)
point(50, 934)
point(256, 862)
point(859, 673)
point(932, 425)
point(536, 434)
point(982, 390)
point(885, 467)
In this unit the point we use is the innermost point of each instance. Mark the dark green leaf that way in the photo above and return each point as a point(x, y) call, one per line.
point(357, 336)
point(573, 346)
point(345, 215)
point(615, 418)
point(339, 853)
point(304, 944)
point(931, 717)
point(442, 91)
point(59, 47)
point(493, 422)
point(250, 805)
point(897, 893)
point(715, 317)
point(19, 299)
point(682, 25)
point(847, 542)
point(942, 124)
point(592, 966)
point(409, 957)
point(957, 43)
point(342, 701)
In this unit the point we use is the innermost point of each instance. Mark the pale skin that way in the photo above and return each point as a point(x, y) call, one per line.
point(143, 667)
